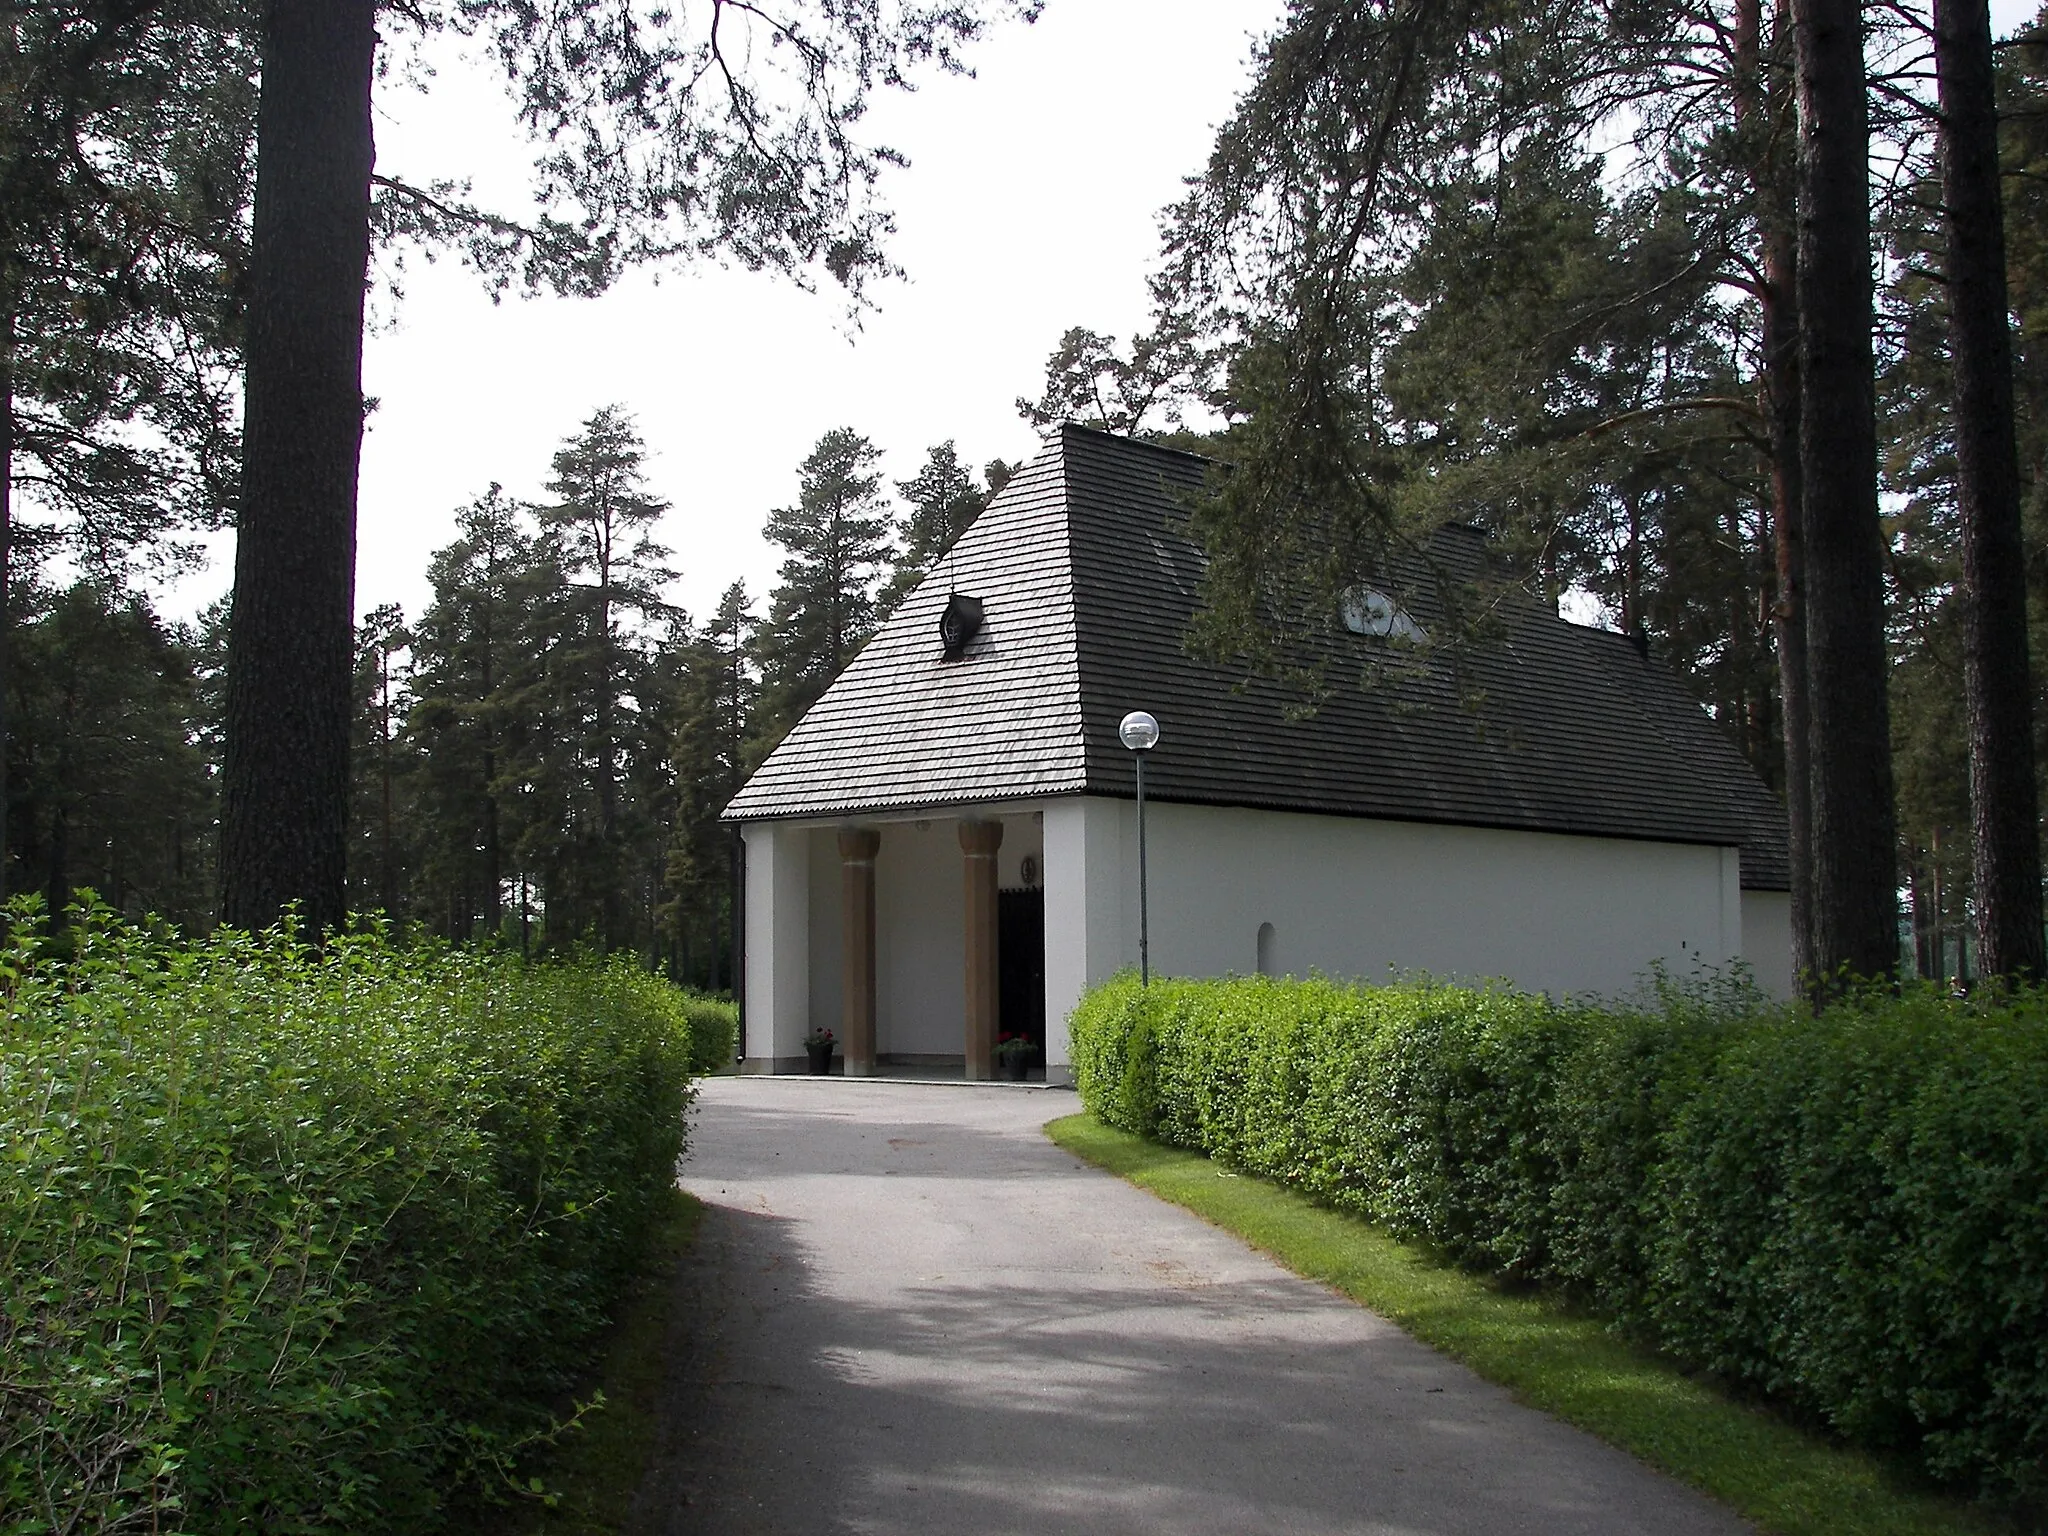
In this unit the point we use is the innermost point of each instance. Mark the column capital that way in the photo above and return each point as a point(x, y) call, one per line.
point(980, 839)
point(857, 843)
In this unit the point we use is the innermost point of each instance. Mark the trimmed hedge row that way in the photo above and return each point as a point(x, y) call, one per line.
point(1849, 1213)
point(714, 1031)
point(308, 1242)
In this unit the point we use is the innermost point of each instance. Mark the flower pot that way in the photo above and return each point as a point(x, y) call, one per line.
point(821, 1058)
point(1013, 1068)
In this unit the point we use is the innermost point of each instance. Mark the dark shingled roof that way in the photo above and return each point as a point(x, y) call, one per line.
point(1089, 580)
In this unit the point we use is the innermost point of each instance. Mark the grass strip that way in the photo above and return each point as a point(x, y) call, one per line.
point(594, 1472)
point(1786, 1480)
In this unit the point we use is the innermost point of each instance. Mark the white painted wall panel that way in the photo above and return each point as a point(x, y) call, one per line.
point(1767, 939)
point(1083, 937)
point(828, 957)
point(1358, 898)
point(778, 940)
point(920, 967)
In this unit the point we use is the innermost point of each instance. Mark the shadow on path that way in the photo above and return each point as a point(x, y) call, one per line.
point(913, 1314)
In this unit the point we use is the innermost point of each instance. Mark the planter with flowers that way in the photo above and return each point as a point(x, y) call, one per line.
point(1013, 1056)
point(818, 1046)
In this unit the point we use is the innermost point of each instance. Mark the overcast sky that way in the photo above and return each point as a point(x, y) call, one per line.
point(1030, 205)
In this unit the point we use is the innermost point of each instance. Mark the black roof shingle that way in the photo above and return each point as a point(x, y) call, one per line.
point(1089, 581)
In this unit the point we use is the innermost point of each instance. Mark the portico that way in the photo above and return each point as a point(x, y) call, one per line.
point(901, 951)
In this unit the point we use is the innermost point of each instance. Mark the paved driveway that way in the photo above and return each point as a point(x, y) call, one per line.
point(912, 1313)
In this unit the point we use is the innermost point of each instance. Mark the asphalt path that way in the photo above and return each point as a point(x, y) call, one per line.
point(908, 1311)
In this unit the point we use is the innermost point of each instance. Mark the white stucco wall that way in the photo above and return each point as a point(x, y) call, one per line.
point(778, 940)
point(1083, 857)
point(824, 929)
point(1767, 939)
point(920, 967)
point(1345, 897)
point(1362, 898)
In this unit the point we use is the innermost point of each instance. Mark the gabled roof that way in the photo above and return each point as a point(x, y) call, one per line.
point(1089, 580)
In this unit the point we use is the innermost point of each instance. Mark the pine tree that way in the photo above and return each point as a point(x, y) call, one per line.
point(839, 540)
point(1855, 925)
point(125, 135)
point(943, 501)
point(714, 705)
point(110, 789)
point(598, 532)
point(2004, 795)
point(468, 648)
point(667, 134)
point(380, 850)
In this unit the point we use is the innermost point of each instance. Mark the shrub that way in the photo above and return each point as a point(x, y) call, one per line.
point(1849, 1213)
point(302, 1241)
point(714, 1032)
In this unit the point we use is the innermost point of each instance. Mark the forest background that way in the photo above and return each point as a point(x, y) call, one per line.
point(541, 753)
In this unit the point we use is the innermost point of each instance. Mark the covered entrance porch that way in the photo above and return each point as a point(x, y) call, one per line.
point(917, 940)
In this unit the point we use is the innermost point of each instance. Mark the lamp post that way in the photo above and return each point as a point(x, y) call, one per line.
point(1140, 732)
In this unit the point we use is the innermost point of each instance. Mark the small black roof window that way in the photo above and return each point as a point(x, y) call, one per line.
point(959, 624)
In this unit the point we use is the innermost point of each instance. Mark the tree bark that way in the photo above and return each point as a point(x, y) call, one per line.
point(1761, 107)
point(285, 776)
point(387, 879)
point(1788, 613)
point(6, 554)
point(2005, 858)
point(1849, 729)
point(607, 746)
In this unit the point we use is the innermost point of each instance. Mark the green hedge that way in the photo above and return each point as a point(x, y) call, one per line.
point(296, 1241)
point(714, 1032)
point(1849, 1214)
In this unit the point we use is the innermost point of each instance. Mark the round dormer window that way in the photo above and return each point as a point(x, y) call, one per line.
point(1369, 611)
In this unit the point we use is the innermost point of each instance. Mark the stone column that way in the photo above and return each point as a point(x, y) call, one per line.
point(857, 851)
point(979, 841)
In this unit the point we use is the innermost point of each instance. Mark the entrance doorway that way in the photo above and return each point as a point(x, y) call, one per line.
point(1020, 967)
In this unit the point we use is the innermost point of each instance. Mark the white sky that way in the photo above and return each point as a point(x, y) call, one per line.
point(1030, 205)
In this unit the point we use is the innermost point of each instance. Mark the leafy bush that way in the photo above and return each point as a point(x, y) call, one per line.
point(302, 1241)
point(1848, 1213)
point(714, 1032)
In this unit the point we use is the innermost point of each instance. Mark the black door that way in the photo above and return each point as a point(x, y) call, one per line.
point(1020, 965)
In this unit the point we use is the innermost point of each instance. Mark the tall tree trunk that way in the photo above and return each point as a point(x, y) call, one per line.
point(1855, 899)
point(285, 775)
point(1788, 613)
point(607, 761)
point(388, 875)
point(6, 552)
point(1761, 107)
point(494, 854)
point(2005, 859)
